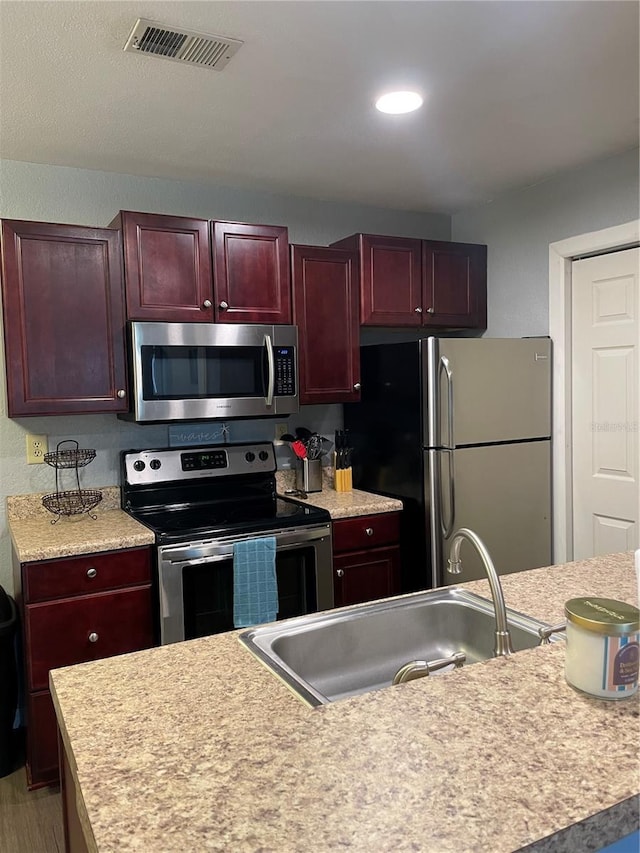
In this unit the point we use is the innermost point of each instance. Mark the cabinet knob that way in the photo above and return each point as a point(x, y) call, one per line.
point(340, 572)
point(431, 310)
point(357, 386)
point(369, 531)
point(418, 310)
point(223, 306)
point(121, 394)
point(207, 303)
point(93, 637)
point(91, 573)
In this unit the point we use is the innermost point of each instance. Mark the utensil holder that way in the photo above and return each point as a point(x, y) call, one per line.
point(309, 475)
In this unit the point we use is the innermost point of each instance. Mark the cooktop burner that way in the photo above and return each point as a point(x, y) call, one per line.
point(188, 494)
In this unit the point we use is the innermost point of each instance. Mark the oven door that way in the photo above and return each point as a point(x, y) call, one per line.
point(195, 581)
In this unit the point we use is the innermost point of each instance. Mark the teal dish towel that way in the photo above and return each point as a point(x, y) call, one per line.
point(255, 587)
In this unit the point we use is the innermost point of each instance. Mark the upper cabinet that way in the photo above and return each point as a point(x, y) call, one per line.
point(420, 283)
point(63, 319)
point(325, 309)
point(182, 269)
point(251, 273)
point(167, 266)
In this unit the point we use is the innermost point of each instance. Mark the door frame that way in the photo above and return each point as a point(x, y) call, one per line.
point(561, 255)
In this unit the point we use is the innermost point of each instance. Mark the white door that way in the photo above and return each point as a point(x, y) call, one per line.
point(606, 403)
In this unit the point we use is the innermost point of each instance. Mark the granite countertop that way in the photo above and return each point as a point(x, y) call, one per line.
point(34, 537)
point(197, 746)
point(340, 504)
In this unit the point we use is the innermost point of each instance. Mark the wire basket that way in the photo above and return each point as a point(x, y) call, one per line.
point(69, 458)
point(73, 501)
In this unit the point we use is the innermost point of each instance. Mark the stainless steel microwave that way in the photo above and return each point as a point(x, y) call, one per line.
point(204, 371)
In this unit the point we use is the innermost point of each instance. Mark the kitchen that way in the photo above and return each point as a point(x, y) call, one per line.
point(598, 192)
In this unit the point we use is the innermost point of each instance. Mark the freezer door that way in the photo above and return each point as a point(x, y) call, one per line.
point(484, 390)
point(502, 493)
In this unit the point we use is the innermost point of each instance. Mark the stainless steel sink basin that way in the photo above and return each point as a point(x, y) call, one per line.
point(329, 656)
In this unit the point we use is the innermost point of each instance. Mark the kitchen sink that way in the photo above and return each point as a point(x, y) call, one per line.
point(328, 656)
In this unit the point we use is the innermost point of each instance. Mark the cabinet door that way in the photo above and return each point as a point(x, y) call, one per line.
point(366, 575)
point(167, 264)
point(42, 740)
point(88, 627)
point(325, 309)
point(63, 319)
point(390, 279)
point(251, 273)
point(455, 285)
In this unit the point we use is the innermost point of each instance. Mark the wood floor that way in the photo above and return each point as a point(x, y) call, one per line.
point(30, 822)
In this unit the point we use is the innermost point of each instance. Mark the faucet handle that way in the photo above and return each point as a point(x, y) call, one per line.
point(545, 633)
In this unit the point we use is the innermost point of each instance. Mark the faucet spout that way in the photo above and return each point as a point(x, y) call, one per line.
point(503, 645)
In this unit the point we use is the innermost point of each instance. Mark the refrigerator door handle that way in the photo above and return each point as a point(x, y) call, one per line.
point(446, 367)
point(447, 526)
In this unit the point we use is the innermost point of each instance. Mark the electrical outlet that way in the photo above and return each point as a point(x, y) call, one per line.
point(281, 429)
point(36, 448)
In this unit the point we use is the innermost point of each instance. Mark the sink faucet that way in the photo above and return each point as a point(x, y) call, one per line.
point(503, 645)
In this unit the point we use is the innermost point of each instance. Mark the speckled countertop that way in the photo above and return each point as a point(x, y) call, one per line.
point(34, 537)
point(340, 504)
point(197, 747)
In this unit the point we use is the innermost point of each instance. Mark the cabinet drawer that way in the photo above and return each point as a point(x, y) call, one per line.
point(366, 531)
point(86, 574)
point(89, 627)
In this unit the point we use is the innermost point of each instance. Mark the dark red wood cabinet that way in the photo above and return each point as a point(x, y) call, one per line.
point(73, 610)
point(182, 269)
point(64, 319)
point(325, 309)
point(251, 273)
point(420, 283)
point(167, 265)
point(366, 561)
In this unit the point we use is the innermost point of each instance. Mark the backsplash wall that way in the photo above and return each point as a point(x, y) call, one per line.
point(83, 197)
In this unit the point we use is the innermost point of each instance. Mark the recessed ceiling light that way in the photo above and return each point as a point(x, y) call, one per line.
point(399, 102)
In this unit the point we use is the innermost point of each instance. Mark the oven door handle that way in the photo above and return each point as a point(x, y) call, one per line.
point(221, 549)
point(271, 367)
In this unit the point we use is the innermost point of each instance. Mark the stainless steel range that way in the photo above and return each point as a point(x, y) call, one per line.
point(200, 501)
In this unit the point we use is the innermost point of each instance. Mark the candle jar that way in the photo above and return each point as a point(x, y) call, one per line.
point(602, 647)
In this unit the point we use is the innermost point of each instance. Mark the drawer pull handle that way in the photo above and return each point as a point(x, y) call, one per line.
point(340, 572)
point(93, 637)
point(369, 531)
point(91, 573)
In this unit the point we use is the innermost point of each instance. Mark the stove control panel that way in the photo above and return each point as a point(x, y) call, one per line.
point(173, 464)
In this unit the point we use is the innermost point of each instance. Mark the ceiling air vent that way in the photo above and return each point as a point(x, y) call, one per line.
point(181, 45)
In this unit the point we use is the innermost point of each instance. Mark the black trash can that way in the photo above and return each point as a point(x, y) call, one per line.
point(8, 681)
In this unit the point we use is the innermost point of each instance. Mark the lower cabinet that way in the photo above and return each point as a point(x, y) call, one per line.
point(99, 607)
point(366, 561)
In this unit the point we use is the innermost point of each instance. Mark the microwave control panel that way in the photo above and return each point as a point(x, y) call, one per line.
point(285, 371)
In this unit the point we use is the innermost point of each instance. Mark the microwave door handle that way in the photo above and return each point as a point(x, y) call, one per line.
point(271, 368)
point(154, 379)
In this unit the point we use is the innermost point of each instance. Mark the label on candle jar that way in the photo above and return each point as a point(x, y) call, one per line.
point(621, 663)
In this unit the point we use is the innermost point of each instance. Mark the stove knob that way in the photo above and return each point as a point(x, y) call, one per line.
point(263, 455)
point(138, 465)
point(155, 464)
point(249, 456)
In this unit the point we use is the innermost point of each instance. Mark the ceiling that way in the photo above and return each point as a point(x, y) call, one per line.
point(514, 92)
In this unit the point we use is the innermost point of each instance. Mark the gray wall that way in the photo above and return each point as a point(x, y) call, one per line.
point(519, 226)
point(58, 194)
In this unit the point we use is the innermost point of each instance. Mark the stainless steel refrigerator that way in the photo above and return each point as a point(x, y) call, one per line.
point(460, 430)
